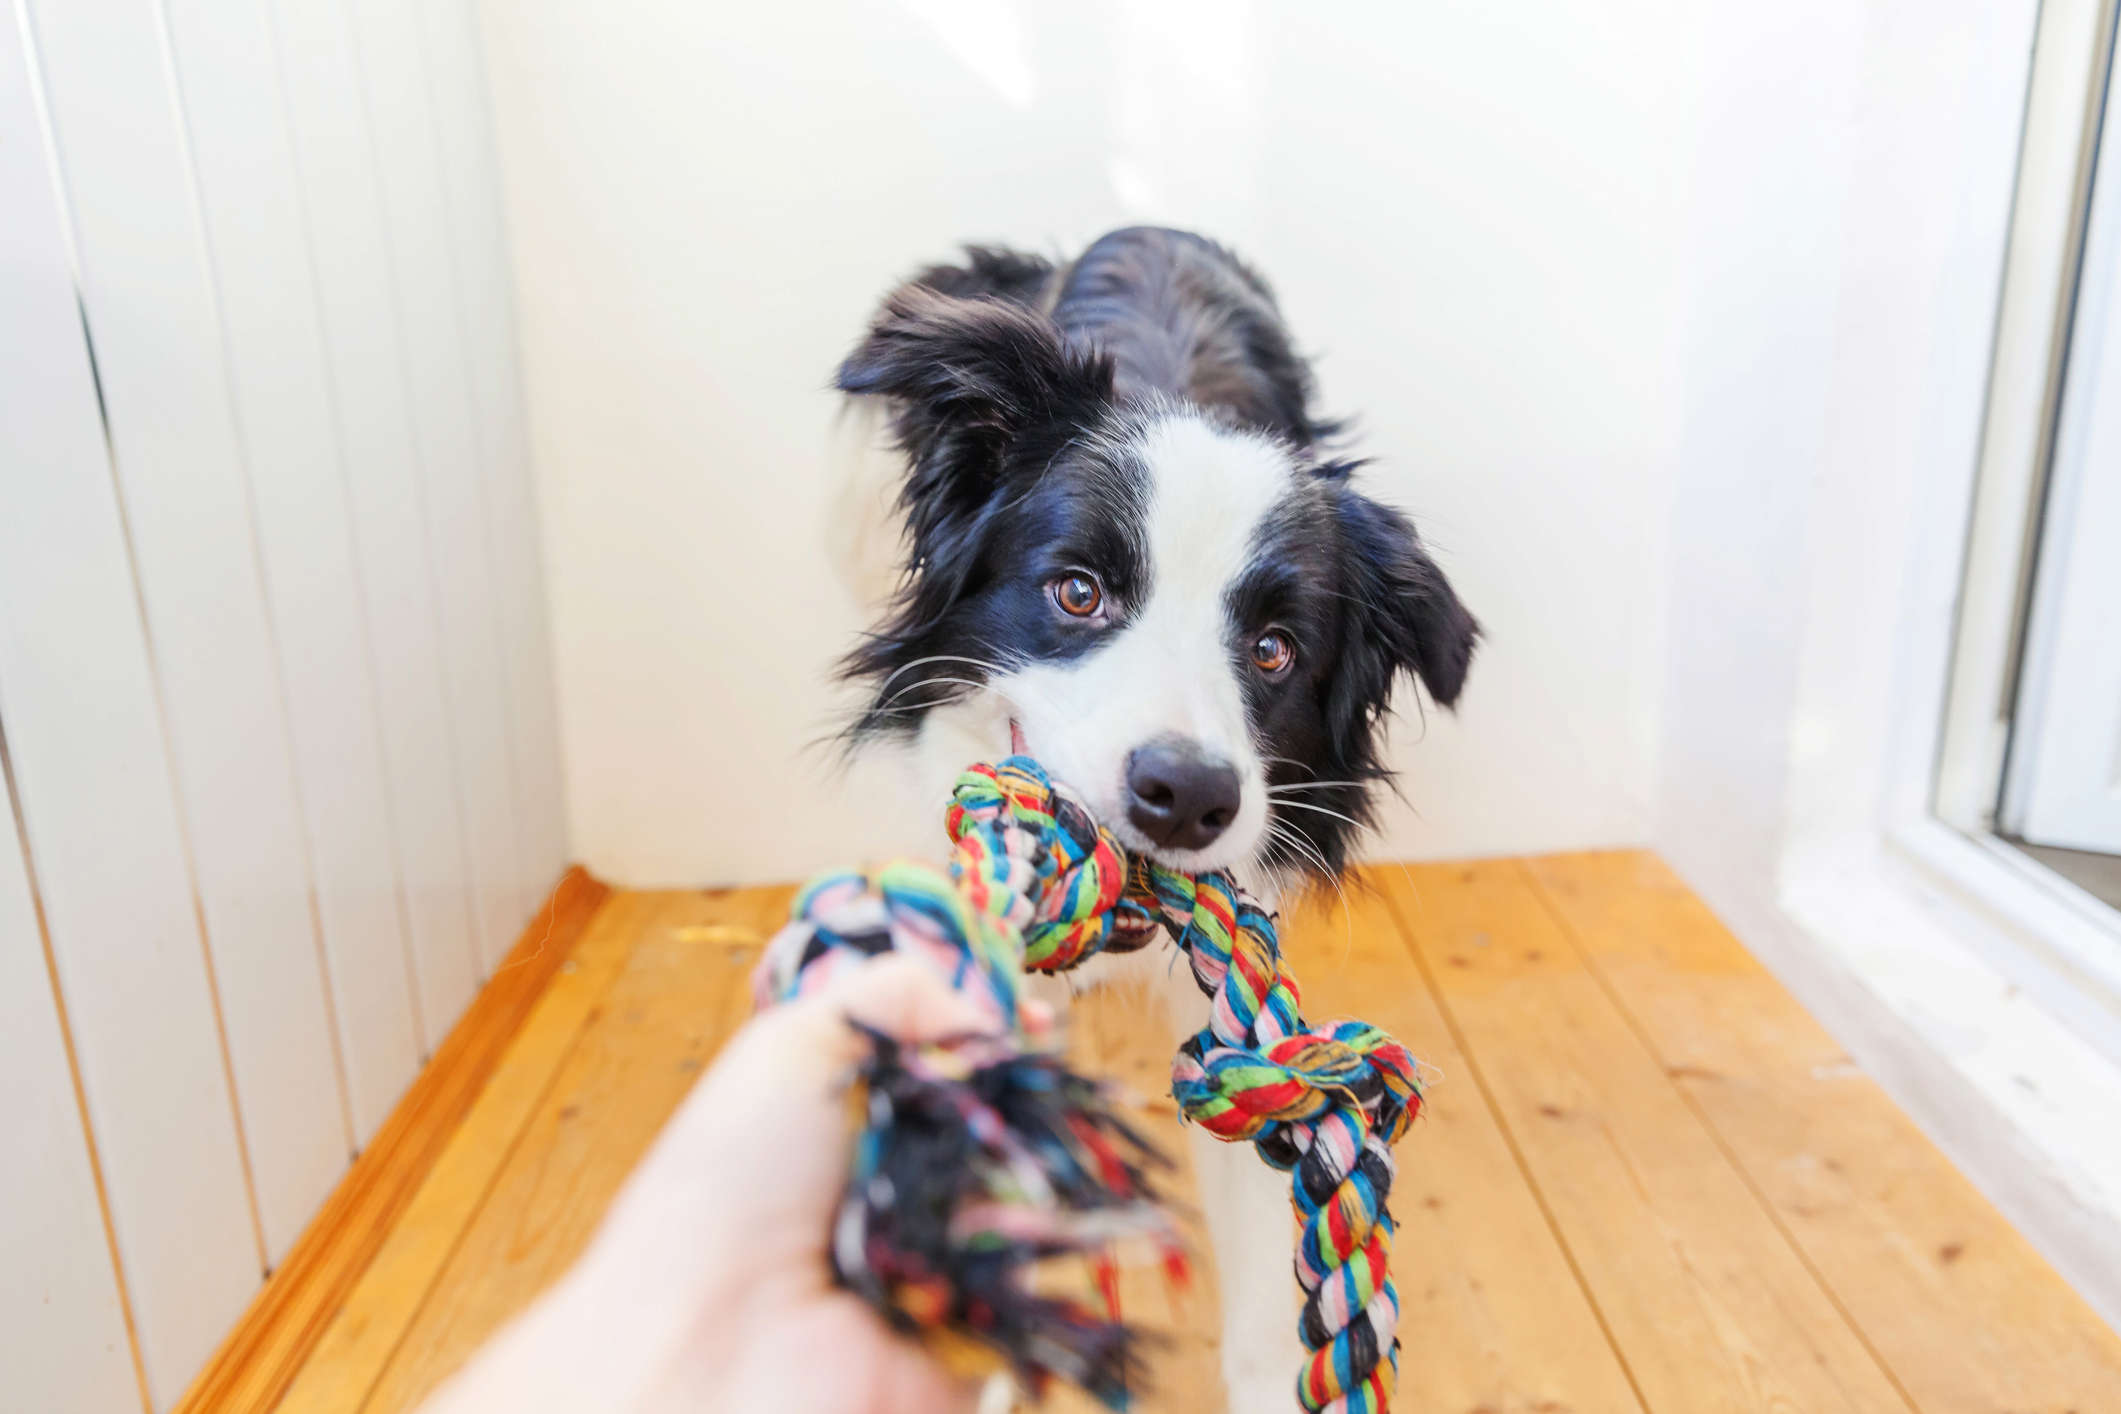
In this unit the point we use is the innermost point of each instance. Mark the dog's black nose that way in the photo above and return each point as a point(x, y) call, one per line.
point(1178, 795)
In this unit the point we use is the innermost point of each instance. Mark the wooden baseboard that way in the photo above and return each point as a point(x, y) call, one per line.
point(255, 1364)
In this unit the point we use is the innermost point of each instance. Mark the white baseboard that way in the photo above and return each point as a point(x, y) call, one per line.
point(2018, 1099)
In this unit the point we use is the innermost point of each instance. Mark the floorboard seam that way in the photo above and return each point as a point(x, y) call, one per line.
point(1708, 1125)
point(1509, 1139)
point(515, 1141)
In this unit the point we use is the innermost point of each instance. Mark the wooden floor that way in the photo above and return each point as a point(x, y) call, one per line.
point(1646, 1180)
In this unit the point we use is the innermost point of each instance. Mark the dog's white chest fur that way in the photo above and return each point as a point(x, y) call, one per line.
point(1124, 535)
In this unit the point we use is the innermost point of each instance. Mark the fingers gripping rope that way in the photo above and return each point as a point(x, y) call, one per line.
point(1035, 883)
point(981, 1156)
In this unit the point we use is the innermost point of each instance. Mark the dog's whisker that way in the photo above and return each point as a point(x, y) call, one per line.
point(1333, 878)
point(911, 709)
point(1321, 810)
point(1016, 697)
point(902, 669)
point(1275, 866)
point(1282, 832)
point(1014, 694)
point(913, 687)
point(1325, 872)
point(1311, 785)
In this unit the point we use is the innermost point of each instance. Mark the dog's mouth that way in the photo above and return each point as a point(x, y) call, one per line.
point(1131, 928)
point(1130, 931)
point(1127, 838)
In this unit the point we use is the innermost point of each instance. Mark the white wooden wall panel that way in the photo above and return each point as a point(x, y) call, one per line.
point(153, 316)
point(341, 192)
point(273, 669)
point(402, 126)
point(94, 785)
point(457, 75)
point(251, 204)
point(59, 1305)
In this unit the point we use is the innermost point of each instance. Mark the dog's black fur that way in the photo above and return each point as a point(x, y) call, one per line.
point(1013, 384)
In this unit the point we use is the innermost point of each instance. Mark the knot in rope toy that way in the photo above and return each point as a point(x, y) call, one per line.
point(1326, 1104)
point(981, 1156)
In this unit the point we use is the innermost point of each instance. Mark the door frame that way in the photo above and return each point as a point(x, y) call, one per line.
point(1943, 810)
point(2043, 799)
point(1812, 784)
point(2063, 114)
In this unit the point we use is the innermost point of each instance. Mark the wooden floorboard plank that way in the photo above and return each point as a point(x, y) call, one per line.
point(1114, 1033)
point(681, 991)
point(1642, 1162)
point(366, 1326)
point(1707, 1301)
point(1493, 1321)
point(284, 1325)
point(1961, 1308)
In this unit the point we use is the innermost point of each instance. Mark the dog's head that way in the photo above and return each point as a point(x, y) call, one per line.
point(1197, 626)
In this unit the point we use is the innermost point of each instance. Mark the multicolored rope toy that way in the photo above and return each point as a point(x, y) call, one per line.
point(1326, 1104)
point(993, 1155)
point(979, 1158)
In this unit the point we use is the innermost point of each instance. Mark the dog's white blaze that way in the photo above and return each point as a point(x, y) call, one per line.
point(1170, 670)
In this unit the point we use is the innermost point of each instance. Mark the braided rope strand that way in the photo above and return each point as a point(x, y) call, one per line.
point(979, 1156)
point(1325, 1103)
point(1035, 883)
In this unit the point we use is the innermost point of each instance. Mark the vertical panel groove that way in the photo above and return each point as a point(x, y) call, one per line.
point(34, 63)
point(525, 886)
point(341, 223)
point(73, 1070)
point(420, 467)
point(424, 456)
point(487, 293)
point(275, 655)
point(370, 668)
point(251, 566)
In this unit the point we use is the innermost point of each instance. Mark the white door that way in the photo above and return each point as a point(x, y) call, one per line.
point(2063, 785)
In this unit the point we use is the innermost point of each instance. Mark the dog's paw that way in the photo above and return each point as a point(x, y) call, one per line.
point(998, 1395)
point(1262, 1381)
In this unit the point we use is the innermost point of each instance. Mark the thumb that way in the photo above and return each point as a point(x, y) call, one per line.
point(905, 998)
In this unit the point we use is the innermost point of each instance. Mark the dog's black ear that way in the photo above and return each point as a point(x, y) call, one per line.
point(968, 378)
point(1404, 615)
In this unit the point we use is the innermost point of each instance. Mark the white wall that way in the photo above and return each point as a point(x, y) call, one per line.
point(280, 771)
point(1473, 218)
point(1837, 360)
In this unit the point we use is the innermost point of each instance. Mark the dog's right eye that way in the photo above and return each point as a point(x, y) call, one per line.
point(1077, 594)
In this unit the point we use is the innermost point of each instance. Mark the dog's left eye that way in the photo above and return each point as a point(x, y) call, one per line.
point(1077, 594)
point(1272, 652)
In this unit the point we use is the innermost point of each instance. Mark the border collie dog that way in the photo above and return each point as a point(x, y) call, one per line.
point(1132, 555)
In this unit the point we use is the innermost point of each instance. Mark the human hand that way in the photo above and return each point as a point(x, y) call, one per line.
point(707, 1287)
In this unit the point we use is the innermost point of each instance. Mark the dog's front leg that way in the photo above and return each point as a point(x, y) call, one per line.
point(1244, 1201)
point(1246, 1204)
